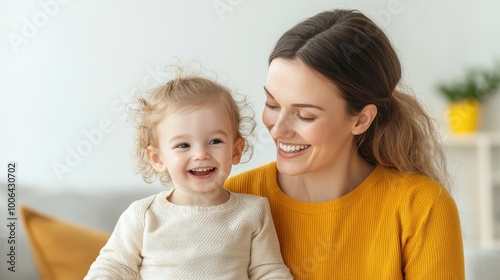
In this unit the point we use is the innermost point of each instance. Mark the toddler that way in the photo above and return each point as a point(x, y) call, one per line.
point(190, 133)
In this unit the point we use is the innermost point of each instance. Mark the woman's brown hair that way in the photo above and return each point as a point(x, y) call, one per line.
point(354, 53)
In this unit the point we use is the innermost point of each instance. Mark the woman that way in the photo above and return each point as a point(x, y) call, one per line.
point(358, 187)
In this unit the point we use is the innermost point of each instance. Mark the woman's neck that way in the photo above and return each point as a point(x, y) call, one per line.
point(327, 184)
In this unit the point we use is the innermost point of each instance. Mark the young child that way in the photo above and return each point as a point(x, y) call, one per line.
point(190, 133)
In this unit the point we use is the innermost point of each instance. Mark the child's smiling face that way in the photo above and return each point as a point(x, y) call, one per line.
point(197, 147)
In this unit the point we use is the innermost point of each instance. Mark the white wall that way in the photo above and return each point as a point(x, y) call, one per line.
point(68, 67)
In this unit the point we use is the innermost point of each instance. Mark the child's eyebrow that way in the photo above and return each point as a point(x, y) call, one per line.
point(179, 137)
point(187, 136)
point(297, 105)
point(219, 131)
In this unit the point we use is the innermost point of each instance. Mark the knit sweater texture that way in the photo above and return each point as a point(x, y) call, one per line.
point(393, 225)
point(155, 239)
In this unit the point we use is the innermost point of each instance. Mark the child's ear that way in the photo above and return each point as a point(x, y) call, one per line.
point(154, 158)
point(364, 119)
point(239, 145)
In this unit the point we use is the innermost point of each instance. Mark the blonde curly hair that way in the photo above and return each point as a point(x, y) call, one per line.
point(185, 90)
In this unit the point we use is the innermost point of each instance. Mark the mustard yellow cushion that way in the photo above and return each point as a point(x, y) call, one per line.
point(62, 250)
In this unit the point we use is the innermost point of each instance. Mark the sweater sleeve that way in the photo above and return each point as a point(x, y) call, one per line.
point(121, 257)
point(432, 238)
point(266, 261)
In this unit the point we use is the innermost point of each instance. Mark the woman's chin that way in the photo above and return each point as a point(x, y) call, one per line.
point(287, 167)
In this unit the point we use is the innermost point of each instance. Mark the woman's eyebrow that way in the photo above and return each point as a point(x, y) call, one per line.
point(299, 105)
point(268, 93)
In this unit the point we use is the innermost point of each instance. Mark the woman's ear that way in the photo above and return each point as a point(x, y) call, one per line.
point(364, 119)
point(155, 159)
point(239, 145)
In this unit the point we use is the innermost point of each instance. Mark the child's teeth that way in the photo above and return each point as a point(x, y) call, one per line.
point(202, 169)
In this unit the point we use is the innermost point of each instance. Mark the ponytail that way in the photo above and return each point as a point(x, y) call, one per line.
point(406, 141)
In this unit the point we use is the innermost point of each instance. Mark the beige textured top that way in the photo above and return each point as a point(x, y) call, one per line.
point(155, 239)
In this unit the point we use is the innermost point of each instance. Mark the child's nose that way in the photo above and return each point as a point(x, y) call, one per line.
point(201, 153)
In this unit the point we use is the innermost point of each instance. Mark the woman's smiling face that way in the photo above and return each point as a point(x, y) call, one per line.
point(306, 118)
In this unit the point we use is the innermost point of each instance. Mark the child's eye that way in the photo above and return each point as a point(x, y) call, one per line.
point(182, 146)
point(272, 107)
point(215, 141)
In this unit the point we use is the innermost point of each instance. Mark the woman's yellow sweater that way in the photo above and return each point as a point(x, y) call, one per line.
point(392, 226)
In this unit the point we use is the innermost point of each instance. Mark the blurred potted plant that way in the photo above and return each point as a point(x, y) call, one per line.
point(466, 95)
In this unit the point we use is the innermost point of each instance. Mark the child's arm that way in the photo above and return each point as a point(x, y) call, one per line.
point(121, 257)
point(266, 261)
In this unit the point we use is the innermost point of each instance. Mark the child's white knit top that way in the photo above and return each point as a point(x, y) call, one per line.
point(155, 239)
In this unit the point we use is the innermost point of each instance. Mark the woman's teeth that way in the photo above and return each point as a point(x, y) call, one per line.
point(293, 148)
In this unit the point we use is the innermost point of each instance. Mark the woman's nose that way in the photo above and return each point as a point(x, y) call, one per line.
point(281, 127)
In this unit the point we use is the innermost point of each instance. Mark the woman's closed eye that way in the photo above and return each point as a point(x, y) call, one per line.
point(271, 106)
point(305, 119)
